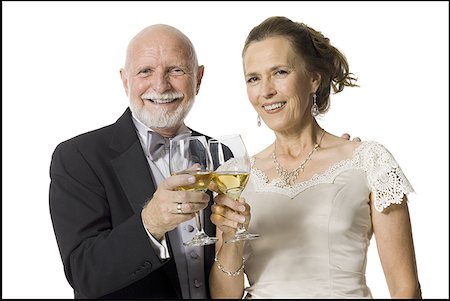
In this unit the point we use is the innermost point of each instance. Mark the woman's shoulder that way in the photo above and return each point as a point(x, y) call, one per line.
point(264, 153)
point(348, 148)
point(263, 157)
point(341, 147)
point(372, 148)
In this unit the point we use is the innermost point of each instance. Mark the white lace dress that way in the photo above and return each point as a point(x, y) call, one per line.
point(315, 235)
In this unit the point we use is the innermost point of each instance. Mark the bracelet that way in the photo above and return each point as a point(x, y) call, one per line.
point(233, 274)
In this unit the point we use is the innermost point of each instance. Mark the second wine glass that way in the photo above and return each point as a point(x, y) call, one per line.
point(190, 155)
point(231, 173)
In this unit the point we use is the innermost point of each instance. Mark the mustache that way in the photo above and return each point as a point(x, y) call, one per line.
point(162, 97)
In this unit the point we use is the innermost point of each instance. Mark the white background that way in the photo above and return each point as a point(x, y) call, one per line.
point(61, 64)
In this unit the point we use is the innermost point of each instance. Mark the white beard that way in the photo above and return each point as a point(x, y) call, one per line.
point(162, 118)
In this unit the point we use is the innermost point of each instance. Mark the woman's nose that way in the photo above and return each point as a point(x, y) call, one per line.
point(268, 89)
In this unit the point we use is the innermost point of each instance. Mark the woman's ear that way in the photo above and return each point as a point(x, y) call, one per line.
point(316, 80)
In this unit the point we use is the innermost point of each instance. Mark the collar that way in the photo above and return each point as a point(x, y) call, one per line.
point(145, 133)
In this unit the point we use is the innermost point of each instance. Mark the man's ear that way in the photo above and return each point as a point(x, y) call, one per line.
point(123, 76)
point(200, 71)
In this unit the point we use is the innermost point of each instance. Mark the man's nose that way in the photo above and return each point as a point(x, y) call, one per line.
point(161, 82)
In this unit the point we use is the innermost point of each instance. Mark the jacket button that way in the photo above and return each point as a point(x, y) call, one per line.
point(197, 283)
point(193, 255)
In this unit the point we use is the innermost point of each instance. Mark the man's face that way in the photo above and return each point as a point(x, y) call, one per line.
point(161, 80)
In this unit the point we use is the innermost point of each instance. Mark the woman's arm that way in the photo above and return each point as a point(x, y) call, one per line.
point(393, 234)
point(226, 279)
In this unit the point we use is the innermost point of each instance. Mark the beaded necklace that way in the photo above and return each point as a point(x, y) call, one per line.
point(289, 177)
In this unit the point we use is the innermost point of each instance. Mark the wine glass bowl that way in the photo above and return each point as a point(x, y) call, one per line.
point(231, 173)
point(231, 183)
point(190, 155)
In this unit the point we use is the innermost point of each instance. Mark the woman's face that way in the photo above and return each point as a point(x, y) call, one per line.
point(278, 85)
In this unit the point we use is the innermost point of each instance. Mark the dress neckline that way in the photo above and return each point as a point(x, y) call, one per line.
point(263, 183)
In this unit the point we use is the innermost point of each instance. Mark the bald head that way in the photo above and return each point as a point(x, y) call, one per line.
point(161, 34)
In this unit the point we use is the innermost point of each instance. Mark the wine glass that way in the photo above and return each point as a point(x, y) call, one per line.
point(231, 173)
point(190, 155)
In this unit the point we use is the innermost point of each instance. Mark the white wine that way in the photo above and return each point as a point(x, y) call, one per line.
point(202, 179)
point(230, 183)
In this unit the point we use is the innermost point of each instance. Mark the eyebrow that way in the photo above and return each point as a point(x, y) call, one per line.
point(280, 66)
point(271, 69)
point(251, 74)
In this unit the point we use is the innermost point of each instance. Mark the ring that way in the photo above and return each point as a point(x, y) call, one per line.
point(179, 208)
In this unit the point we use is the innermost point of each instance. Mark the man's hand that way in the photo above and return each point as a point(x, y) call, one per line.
point(161, 213)
point(347, 136)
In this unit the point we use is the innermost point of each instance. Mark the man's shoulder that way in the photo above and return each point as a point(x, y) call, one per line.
point(196, 133)
point(98, 136)
point(91, 136)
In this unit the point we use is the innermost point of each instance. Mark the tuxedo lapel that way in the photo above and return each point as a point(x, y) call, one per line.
point(134, 175)
point(131, 166)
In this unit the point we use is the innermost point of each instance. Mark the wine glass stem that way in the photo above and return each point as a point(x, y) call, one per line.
point(198, 222)
point(241, 229)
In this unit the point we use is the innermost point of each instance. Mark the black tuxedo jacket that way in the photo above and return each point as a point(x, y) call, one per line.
point(100, 181)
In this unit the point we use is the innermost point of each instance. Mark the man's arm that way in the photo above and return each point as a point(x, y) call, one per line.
point(98, 257)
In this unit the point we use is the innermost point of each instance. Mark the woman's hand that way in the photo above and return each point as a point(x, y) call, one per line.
point(227, 213)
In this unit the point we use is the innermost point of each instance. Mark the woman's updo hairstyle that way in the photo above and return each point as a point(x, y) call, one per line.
point(315, 49)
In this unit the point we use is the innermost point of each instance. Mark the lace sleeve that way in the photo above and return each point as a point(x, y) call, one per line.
point(385, 177)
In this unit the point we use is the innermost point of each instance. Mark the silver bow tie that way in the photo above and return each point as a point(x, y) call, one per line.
point(157, 144)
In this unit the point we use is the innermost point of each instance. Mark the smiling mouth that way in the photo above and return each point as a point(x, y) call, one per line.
point(274, 106)
point(162, 101)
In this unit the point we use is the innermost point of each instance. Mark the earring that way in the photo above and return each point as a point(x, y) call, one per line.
point(314, 108)
point(258, 121)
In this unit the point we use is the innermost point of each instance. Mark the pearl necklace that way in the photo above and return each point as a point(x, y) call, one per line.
point(288, 177)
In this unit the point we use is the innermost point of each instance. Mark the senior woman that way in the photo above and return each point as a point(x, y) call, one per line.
point(316, 199)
